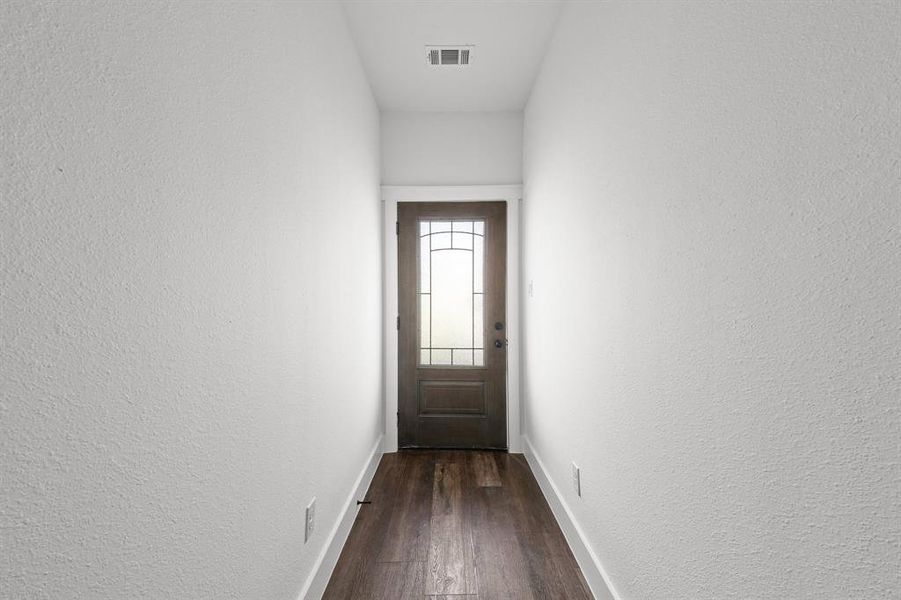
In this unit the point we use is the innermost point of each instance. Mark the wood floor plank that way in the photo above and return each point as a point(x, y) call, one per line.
point(451, 568)
point(394, 581)
point(484, 469)
point(501, 568)
point(407, 538)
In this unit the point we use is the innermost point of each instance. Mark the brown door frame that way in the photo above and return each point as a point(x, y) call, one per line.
point(392, 195)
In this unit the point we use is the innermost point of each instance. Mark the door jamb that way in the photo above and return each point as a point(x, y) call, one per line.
point(391, 195)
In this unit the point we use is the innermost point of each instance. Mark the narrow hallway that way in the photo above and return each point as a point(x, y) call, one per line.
point(272, 270)
point(456, 524)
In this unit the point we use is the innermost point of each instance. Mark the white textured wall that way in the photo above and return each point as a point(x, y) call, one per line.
point(712, 214)
point(189, 294)
point(446, 148)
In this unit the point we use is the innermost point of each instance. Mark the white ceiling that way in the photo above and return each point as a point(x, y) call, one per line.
point(509, 38)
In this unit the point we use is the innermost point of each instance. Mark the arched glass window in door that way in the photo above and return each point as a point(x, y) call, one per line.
point(451, 292)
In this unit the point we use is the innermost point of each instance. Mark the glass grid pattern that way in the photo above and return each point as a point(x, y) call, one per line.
point(451, 293)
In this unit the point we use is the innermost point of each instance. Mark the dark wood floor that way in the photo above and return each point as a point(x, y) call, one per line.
point(455, 525)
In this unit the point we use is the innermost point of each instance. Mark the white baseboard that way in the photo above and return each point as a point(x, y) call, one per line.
point(588, 561)
point(316, 583)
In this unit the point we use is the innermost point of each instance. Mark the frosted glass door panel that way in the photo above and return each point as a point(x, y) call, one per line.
point(451, 264)
point(451, 299)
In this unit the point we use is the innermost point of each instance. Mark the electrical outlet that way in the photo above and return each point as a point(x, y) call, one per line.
point(531, 289)
point(577, 480)
point(310, 521)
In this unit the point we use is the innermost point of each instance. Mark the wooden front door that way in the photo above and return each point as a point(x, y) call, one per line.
point(452, 361)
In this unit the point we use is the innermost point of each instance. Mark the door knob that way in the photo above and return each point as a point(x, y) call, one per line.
point(498, 344)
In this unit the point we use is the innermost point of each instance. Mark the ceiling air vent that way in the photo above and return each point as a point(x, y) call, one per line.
point(447, 56)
